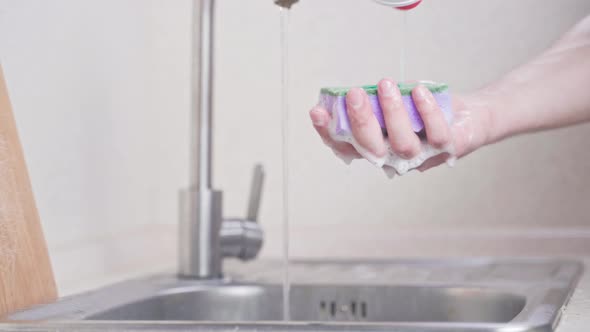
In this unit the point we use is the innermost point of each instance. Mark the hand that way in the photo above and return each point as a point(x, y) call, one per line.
point(468, 132)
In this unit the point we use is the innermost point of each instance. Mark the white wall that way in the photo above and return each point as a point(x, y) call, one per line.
point(100, 91)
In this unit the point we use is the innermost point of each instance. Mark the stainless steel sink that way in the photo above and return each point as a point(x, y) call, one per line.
point(476, 295)
point(235, 302)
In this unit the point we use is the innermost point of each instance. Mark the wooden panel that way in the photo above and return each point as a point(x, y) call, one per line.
point(26, 277)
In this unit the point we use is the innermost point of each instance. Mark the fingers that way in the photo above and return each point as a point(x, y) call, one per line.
point(438, 132)
point(365, 127)
point(404, 142)
point(321, 119)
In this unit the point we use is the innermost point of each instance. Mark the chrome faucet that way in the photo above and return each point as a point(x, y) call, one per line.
point(205, 237)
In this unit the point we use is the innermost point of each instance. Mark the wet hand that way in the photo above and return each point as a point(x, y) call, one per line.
point(468, 131)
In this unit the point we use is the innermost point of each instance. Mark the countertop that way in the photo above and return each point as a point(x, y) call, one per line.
point(576, 317)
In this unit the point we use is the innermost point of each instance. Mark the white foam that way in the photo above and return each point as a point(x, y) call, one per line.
point(391, 163)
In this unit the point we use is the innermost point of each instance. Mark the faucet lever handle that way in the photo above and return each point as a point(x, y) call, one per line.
point(255, 192)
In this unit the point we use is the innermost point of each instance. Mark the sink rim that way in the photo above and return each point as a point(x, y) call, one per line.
point(142, 326)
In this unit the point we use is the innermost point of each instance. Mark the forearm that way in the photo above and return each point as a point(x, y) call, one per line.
point(551, 91)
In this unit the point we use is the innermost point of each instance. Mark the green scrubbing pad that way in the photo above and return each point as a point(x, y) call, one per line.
point(405, 88)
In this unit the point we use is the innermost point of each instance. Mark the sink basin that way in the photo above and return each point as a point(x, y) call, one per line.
point(325, 303)
point(475, 295)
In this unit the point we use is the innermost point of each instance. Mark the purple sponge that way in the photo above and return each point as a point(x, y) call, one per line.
point(334, 101)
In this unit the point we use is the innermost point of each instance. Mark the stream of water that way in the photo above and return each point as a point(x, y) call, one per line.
point(285, 158)
point(403, 48)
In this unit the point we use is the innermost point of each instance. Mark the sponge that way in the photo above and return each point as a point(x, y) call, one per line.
point(334, 101)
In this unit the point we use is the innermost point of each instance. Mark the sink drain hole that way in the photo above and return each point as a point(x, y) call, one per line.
point(364, 309)
point(335, 310)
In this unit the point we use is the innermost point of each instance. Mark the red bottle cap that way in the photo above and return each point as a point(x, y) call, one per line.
point(408, 7)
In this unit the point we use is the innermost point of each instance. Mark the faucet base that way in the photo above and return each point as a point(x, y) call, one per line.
point(200, 224)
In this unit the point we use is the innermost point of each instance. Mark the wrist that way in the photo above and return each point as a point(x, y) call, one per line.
point(494, 124)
